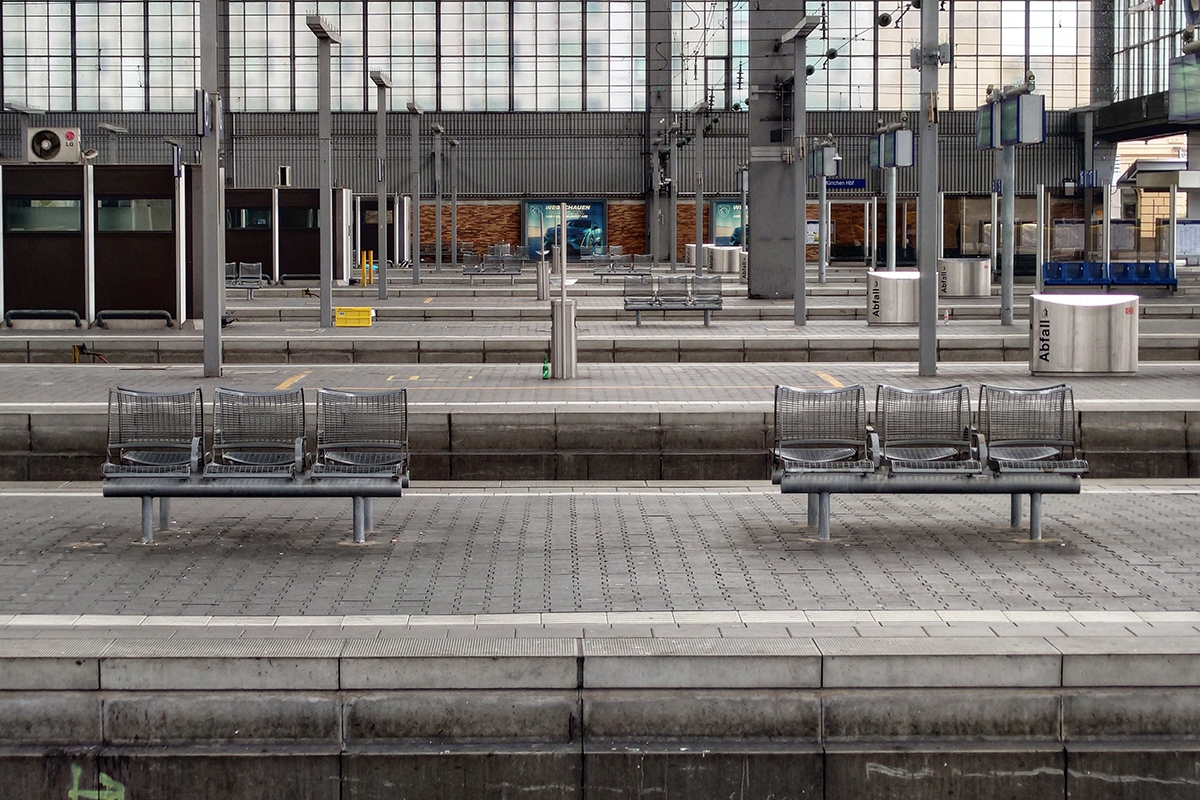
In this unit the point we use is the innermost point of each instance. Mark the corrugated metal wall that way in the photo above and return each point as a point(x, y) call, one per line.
point(502, 155)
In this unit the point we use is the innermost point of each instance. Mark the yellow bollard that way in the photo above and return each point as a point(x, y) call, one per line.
point(362, 266)
point(371, 266)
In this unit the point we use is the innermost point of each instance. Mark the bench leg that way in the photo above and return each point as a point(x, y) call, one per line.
point(164, 513)
point(637, 315)
point(707, 318)
point(1035, 515)
point(813, 507)
point(360, 533)
point(823, 522)
point(1014, 518)
point(369, 514)
point(147, 520)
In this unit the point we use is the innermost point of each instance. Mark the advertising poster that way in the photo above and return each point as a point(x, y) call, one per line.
point(586, 227)
point(725, 221)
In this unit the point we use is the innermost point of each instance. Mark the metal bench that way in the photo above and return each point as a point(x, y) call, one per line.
point(494, 264)
point(673, 293)
point(259, 450)
point(621, 266)
point(923, 441)
point(246, 275)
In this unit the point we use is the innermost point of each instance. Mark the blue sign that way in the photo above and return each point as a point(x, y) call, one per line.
point(845, 183)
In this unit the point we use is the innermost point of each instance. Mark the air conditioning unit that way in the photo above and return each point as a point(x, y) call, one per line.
point(53, 146)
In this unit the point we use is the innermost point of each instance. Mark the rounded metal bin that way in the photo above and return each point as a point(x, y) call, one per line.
point(1083, 333)
point(725, 259)
point(893, 298)
point(964, 277)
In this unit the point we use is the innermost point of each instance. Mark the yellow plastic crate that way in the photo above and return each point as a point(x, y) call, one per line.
point(352, 317)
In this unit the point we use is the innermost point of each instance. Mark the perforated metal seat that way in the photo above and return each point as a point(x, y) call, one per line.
point(155, 434)
point(363, 434)
point(257, 434)
point(1030, 430)
point(926, 430)
point(673, 290)
point(820, 430)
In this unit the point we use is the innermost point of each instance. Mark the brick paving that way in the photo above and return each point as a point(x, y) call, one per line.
point(671, 557)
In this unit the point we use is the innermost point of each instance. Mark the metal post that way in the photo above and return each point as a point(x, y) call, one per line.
point(1008, 228)
point(453, 202)
point(874, 239)
point(655, 210)
point(823, 227)
point(383, 82)
point(438, 130)
point(414, 165)
point(326, 35)
point(891, 218)
point(699, 114)
point(994, 240)
point(927, 189)
point(744, 185)
point(1040, 257)
point(672, 198)
point(212, 247)
point(798, 36)
point(1173, 221)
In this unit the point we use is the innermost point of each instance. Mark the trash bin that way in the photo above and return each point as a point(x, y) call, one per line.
point(689, 252)
point(725, 259)
point(1083, 333)
point(893, 298)
point(965, 277)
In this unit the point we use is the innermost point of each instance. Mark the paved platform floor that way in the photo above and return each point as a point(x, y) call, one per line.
point(635, 560)
point(39, 388)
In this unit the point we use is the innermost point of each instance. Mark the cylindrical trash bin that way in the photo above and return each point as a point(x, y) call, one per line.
point(965, 277)
point(744, 265)
point(893, 298)
point(1083, 333)
point(564, 339)
point(724, 259)
point(689, 252)
point(543, 280)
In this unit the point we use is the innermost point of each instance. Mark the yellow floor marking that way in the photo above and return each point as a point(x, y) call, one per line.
point(832, 381)
point(389, 377)
point(414, 377)
point(294, 379)
point(428, 299)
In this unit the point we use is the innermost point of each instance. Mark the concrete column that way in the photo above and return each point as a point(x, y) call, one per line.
point(699, 119)
point(1008, 205)
point(927, 189)
point(212, 239)
point(414, 166)
point(383, 82)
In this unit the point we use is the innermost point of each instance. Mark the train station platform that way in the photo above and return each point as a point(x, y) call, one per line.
point(602, 639)
point(591, 589)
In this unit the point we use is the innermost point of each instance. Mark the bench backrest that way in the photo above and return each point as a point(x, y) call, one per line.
point(376, 420)
point(638, 287)
point(820, 416)
point(923, 416)
point(231, 270)
point(257, 420)
point(153, 420)
point(706, 289)
point(250, 271)
point(1043, 416)
point(673, 288)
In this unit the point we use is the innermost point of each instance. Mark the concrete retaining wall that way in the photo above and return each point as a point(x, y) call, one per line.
point(598, 718)
point(539, 444)
point(635, 348)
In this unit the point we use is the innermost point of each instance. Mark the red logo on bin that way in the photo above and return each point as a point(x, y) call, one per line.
point(1128, 309)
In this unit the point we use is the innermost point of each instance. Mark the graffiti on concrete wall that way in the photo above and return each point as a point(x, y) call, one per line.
point(109, 789)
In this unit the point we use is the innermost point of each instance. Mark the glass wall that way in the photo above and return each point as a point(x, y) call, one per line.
point(1146, 39)
point(554, 55)
point(862, 65)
